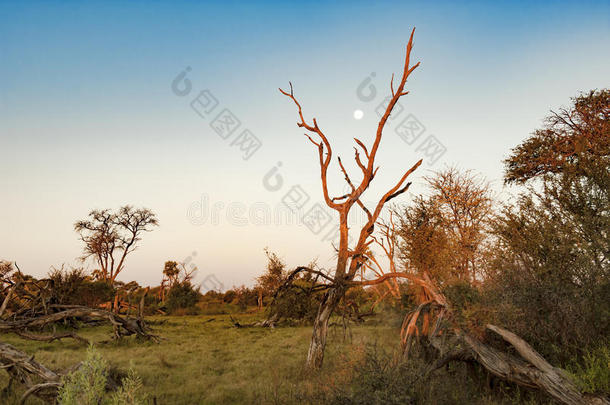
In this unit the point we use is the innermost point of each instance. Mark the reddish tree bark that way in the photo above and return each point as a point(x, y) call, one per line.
point(350, 260)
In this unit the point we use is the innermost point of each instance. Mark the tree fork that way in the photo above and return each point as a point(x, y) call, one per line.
point(350, 261)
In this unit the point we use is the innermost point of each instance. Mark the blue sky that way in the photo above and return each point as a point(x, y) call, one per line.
point(88, 118)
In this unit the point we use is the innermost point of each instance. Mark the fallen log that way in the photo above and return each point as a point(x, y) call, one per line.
point(38, 379)
point(123, 326)
point(531, 370)
point(50, 338)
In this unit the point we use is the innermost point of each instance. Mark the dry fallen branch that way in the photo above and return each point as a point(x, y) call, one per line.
point(39, 380)
point(32, 308)
point(49, 338)
point(123, 326)
point(530, 370)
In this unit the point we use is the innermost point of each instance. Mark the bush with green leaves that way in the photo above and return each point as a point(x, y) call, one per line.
point(593, 373)
point(130, 391)
point(378, 379)
point(182, 296)
point(87, 385)
point(298, 301)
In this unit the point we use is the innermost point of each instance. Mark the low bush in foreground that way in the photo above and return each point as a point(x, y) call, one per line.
point(88, 385)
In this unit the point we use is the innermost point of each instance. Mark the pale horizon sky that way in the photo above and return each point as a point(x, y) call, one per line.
point(88, 117)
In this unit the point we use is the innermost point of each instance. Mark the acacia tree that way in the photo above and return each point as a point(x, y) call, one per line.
point(444, 232)
point(350, 259)
point(273, 278)
point(110, 236)
point(574, 140)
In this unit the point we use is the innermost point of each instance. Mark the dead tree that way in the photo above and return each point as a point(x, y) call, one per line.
point(529, 369)
point(453, 343)
point(350, 259)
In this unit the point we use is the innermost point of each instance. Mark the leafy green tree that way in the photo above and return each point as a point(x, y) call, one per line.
point(551, 256)
point(574, 140)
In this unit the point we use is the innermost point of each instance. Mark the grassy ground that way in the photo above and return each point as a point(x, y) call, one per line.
point(212, 362)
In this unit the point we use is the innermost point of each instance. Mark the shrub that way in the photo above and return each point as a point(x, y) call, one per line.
point(245, 297)
point(182, 296)
point(461, 294)
point(229, 296)
point(594, 375)
point(86, 385)
point(377, 379)
point(381, 377)
point(549, 261)
point(296, 302)
point(75, 287)
point(274, 277)
point(130, 391)
point(466, 303)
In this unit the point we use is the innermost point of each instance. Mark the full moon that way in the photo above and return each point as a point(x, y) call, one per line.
point(358, 114)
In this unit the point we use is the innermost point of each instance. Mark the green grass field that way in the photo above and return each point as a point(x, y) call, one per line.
point(212, 362)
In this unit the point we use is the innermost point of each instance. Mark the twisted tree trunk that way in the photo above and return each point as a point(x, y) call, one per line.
point(315, 356)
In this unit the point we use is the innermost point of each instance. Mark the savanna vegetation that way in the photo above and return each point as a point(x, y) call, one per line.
point(448, 297)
